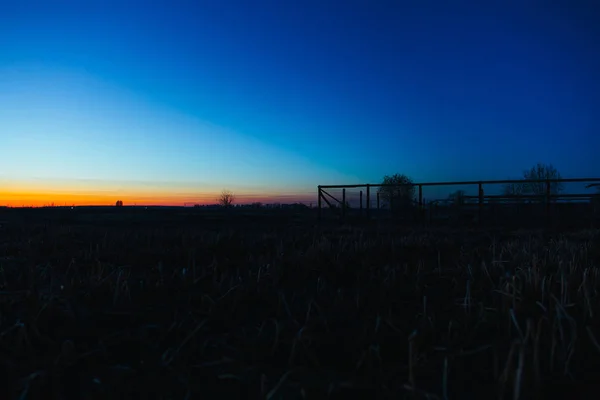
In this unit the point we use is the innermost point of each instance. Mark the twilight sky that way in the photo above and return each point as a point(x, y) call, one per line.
point(167, 102)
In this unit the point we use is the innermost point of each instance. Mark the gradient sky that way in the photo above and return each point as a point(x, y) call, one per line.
point(166, 102)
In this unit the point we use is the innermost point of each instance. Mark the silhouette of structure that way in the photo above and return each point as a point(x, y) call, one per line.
point(502, 208)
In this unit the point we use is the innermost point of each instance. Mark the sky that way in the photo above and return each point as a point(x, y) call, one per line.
point(169, 102)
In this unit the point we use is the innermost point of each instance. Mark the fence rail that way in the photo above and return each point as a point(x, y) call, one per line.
point(547, 197)
point(462, 183)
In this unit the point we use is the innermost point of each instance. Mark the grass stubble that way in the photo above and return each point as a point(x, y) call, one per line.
point(90, 312)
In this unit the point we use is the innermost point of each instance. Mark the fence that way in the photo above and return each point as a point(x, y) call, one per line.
point(481, 199)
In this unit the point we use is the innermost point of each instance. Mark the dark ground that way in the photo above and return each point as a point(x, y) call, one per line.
point(182, 303)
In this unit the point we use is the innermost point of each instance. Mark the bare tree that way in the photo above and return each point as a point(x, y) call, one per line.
point(538, 172)
point(513, 189)
point(226, 198)
point(457, 198)
point(541, 171)
point(401, 195)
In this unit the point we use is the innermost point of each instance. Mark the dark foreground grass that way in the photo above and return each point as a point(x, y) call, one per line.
point(93, 312)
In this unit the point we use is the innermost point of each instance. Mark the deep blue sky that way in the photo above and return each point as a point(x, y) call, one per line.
point(182, 98)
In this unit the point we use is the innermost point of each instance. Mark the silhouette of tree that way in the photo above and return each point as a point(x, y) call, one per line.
point(119, 203)
point(457, 198)
point(513, 189)
point(541, 171)
point(226, 198)
point(399, 196)
point(537, 172)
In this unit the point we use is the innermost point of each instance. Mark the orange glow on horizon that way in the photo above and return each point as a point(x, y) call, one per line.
point(41, 199)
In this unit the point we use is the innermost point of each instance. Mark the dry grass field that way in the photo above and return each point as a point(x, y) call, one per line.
point(92, 308)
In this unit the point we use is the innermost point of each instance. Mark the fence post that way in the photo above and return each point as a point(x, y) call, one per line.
point(368, 201)
point(480, 210)
point(343, 203)
point(421, 202)
point(547, 199)
point(361, 204)
point(319, 200)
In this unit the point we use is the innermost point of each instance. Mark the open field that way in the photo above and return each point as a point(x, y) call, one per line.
point(107, 305)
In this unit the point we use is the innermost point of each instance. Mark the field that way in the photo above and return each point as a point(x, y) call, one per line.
point(100, 304)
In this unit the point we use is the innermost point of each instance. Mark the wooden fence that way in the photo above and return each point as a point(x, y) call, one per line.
point(481, 199)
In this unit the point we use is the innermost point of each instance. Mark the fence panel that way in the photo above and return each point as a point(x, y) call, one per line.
point(492, 202)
